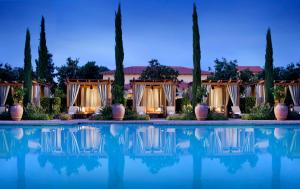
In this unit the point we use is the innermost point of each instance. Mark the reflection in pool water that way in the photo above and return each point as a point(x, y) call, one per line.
point(145, 156)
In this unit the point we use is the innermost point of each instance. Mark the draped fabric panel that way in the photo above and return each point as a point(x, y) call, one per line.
point(102, 88)
point(3, 94)
point(260, 94)
point(233, 93)
point(168, 93)
point(295, 93)
point(73, 93)
point(248, 91)
point(90, 98)
point(46, 91)
point(138, 94)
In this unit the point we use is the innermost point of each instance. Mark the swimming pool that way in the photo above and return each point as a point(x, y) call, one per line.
point(145, 156)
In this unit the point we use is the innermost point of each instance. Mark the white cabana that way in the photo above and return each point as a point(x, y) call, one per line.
point(220, 92)
point(87, 96)
point(154, 97)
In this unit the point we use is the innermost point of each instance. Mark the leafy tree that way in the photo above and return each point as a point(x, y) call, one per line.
point(119, 56)
point(246, 75)
point(156, 71)
point(27, 70)
point(269, 77)
point(68, 71)
point(91, 71)
point(225, 70)
point(7, 73)
point(196, 58)
point(44, 64)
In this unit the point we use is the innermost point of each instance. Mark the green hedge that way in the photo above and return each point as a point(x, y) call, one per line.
point(247, 103)
point(51, 105)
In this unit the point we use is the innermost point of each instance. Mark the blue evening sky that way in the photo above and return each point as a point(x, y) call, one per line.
point(161, 29)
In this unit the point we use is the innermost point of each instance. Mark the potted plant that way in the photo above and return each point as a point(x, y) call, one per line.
point(118, 109)
point(280, 110)
point(16, 111)
point(201, 110)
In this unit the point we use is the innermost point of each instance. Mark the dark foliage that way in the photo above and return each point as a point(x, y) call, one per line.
point(27, 70)
point(269, 77)
point(119, 51)
point(196, 58)
point(156, 71)
point(225, 70)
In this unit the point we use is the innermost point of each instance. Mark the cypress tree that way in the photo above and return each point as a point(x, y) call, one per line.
point(196, 58)
point(269, 77)
point(119, 58)
point(27, 70)
point(44, 65)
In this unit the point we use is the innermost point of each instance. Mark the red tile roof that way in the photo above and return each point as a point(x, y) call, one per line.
point(137, 70)
point(254, 69)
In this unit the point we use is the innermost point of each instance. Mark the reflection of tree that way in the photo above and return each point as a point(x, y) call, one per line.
point(234, 163)
point(278, 147)
point(70, 164)
point(156, 163)
point(116, 160)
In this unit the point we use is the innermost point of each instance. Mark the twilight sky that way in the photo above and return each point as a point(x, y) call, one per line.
point(161, 29)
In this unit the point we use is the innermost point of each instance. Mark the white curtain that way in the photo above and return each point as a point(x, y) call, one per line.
point(295, 93)
point(248, 91)
point(46, 91)
point(73, 92)
point(138, 94)
point(259, 89)
point(102, 88)
point(233, 93)
point(36, 92)
point(3, 94)
point(168, 92)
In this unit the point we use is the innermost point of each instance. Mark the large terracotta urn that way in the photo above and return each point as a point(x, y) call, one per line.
point(201, 111)
point(118, 112)
point(281, 111)
point(16, 112)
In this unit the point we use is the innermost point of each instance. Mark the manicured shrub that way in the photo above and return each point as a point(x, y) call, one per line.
point(132, 115)
point(247, 103)
point(56, 104)
point(216, 116)
point(51, 105)
point(262, 112)
point(65, 117)
point(293, 116)
point(5, 116)
point(105, 114)
point(35, 113)
point(46, 104)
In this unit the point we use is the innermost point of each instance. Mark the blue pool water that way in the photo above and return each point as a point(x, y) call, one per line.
point(146, 156)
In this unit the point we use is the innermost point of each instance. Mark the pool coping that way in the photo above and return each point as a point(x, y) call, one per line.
point(231, 122)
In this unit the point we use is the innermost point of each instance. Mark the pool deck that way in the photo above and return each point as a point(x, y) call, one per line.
point(230, 122)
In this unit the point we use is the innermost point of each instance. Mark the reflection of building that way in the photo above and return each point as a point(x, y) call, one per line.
point(153, 141)
point(84, 140)
point(231, 141)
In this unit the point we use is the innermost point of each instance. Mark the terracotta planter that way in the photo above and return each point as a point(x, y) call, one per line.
point(16, 112)
point(201, 111)
point(281, 111)
point(118, 112)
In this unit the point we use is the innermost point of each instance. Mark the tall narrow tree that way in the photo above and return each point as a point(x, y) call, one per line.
point(196, 58)
point(119, 57)
point(269, 77)
point(27, 70)
point(43, 53)
point(44, 64)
